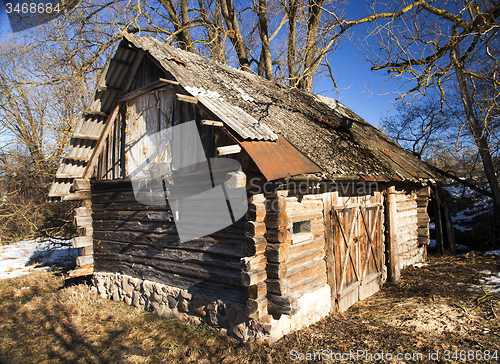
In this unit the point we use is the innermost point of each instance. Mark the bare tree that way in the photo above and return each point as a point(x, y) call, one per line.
point(440, 45)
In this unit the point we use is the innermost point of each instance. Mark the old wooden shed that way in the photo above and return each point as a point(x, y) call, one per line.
point(335, 208)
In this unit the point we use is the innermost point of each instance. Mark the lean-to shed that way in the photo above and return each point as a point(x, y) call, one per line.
point(335, 208)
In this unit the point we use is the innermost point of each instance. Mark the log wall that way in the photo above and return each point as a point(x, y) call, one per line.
point(410, 250)
point(141, 241)
point(296, 264)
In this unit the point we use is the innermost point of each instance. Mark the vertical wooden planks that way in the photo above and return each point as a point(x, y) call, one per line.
point(392, 227)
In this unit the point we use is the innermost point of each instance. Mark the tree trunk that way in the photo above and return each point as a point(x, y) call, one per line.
point(313, 21)
point(292, 30)
point(480, 140)
point(265, 62)
point(234, 33)
point(183, 36)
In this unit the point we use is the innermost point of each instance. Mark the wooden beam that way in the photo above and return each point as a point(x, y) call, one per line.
point(100, 144)
point(186, 98)
point(67, 175)
point(230, 149)
point(393, 266)
point(81, 184)
point(110, 89)
point(82, 241)
point(82, 136)
point(141, 91)
point(78, 159)
point(171, 82)
point(77, 196)
point(94, 112)
point(84, 260)
point(133, 71)
point(212, 123)
point(81, 271)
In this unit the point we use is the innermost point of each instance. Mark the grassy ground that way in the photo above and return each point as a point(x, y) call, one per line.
point(432, 309)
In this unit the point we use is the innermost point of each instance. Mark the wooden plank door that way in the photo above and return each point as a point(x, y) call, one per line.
point(357, 230)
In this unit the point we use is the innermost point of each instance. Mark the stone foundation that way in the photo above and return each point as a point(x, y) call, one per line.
point(230, 317)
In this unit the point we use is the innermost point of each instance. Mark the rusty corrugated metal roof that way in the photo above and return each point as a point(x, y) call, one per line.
point(278, 159)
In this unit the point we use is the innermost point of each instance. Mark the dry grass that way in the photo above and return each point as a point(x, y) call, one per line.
point(44, 322)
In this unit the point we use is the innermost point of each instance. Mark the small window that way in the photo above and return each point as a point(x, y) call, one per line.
point(301, 230)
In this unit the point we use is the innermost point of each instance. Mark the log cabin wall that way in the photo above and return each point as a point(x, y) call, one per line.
point(298, 293)
point(137, 246)
point(411, 251)
point(423, 195)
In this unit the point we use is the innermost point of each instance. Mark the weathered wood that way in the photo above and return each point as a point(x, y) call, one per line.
point(165, 216)
point(236, 180)
point(81, 271)
point(84, 260)
point(81, 184)
point(171, 82)
point(87, 250)
point(256, 213)
point(329, 243)
point(253, 228)
point(281, 236)
point(258, 291)
point(278, 220)
point(81, 221)
point(125, 206)
point(204, 286)
point(81, 241)
point(309, 271)
point(141, 91)
point(280, 304)
point(195, 270)
point(252, 278)
point(308, 285)
point(89, 170)
point(392, 216)
point(254, 306)
point(76, 196)
point(255, 245)
point(83, 211)
point(229, 149)
point(212, 123)
point(186, 98)
point(277, 253)
point(95, 112)
point(277, 286)
point(170, 254)
point(228, 247)
point(84, 136)
point(254, 264)
point(297, 261)
point(140, 226)
point(277, 270)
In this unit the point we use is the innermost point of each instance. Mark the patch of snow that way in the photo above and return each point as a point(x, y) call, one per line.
point(432, 225)
point(432, 242)
point(485, 271)
point(22, 257)
point(419, 265)
point(195, 91)
point(492, 252)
